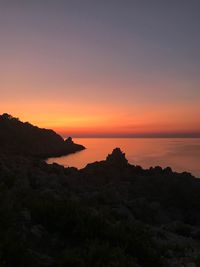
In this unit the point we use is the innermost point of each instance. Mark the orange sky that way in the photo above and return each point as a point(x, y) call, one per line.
point(100, 70)
point(87, 120)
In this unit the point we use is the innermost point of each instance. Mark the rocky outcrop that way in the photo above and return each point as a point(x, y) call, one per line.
point(19, 138)
point(69, 141)
point(117, 158)
point(110, 213)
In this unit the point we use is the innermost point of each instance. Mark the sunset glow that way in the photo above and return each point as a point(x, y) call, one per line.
point(89, 70)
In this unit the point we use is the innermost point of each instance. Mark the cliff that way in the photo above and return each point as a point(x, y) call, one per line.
point(22, 138)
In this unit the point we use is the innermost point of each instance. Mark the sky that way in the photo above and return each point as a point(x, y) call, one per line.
point(102, 67)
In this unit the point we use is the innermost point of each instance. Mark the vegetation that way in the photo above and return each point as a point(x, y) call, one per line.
point(109, 214)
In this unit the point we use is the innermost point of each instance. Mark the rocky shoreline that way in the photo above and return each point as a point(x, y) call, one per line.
point(109, 213)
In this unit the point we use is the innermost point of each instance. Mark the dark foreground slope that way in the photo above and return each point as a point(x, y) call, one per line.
point(21, 138)
point(109, 214)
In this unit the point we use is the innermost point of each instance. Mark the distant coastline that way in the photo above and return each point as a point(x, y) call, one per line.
point(25, 139)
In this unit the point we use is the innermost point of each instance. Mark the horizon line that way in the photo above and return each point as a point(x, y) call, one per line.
point(133, 136)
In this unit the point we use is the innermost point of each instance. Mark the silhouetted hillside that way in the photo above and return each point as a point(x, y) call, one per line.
point(17, 137)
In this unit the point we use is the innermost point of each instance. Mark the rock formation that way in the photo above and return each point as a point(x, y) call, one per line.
point(102, 215)
point(117, 158)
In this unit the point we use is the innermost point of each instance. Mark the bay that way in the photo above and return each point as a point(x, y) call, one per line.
point(181, 154)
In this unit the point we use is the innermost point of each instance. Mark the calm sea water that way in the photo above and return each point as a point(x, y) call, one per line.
point(180, 154)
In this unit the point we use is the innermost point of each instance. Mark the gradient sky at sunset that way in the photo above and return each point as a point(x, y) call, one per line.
point(102, 67)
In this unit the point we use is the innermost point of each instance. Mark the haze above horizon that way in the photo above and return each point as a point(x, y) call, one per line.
point(102, 68)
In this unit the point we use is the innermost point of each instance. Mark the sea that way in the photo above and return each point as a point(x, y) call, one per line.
point(181, 154)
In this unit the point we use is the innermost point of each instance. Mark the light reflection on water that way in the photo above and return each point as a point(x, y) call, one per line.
point(178, 153)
